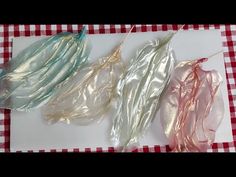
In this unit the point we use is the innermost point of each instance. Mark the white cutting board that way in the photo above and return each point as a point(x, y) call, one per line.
point(29, 132)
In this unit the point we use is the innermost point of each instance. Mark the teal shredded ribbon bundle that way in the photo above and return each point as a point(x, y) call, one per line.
point(31, 78)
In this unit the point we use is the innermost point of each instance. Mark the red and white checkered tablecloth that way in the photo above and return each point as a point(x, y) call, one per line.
point(228, 33)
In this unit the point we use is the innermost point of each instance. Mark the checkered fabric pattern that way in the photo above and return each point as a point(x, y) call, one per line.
point(228, 33)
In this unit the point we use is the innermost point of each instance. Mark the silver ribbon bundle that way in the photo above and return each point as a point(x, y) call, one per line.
point(139, 91)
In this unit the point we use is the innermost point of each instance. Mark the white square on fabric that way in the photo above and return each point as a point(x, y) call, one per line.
point(28, 132)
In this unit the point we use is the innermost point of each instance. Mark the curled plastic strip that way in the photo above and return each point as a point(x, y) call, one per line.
point(31, 78)
point(88, 95)
point(192, 107)
point(139, 91)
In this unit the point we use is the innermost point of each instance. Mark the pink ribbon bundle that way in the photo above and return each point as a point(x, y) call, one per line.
point(192, 107)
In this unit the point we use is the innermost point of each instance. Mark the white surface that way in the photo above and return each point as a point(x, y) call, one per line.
point(28, 131)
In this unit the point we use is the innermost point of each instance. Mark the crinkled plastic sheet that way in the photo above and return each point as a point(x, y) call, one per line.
point(139, 91)
point(192, 107)
point(31, 78)
point(88, 94)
